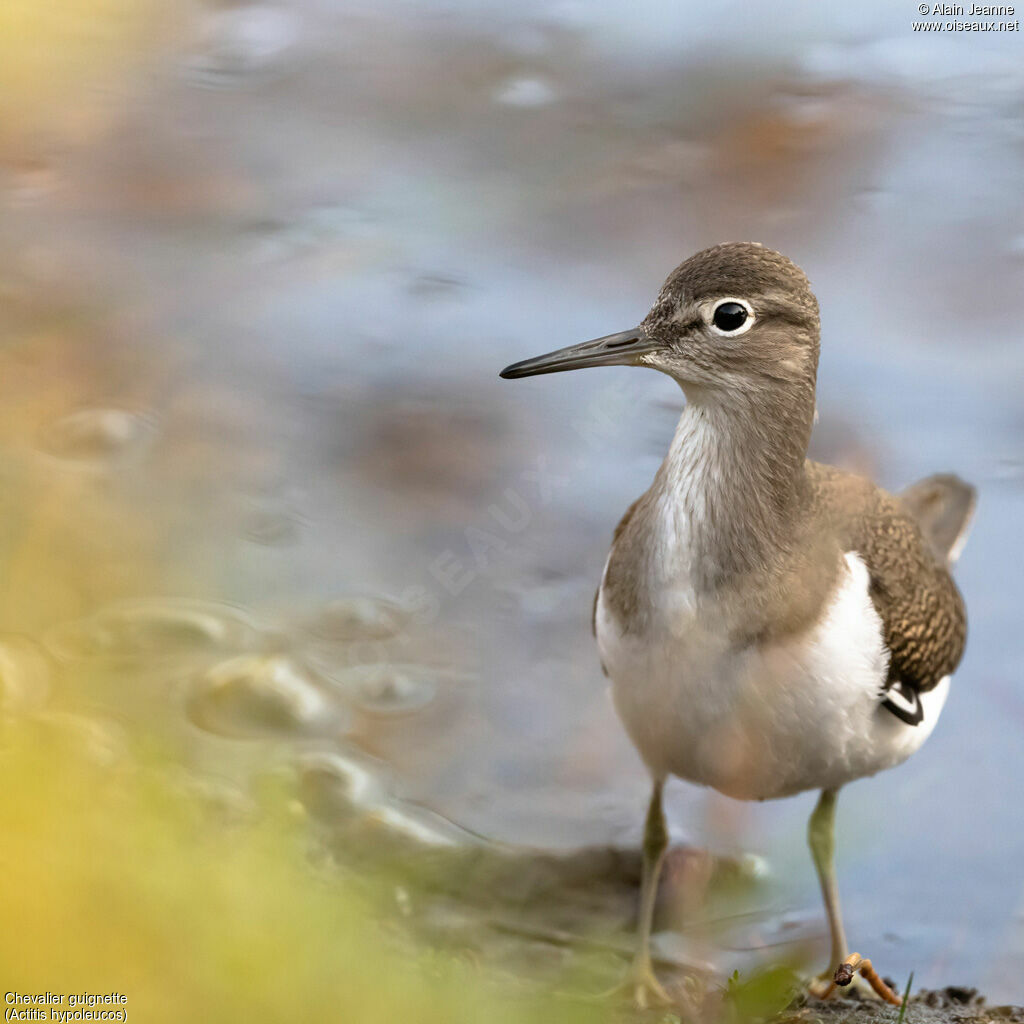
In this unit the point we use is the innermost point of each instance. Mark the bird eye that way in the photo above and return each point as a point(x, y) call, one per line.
point(730, 316)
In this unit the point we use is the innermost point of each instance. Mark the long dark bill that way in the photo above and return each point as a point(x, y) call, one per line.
point(622, 349)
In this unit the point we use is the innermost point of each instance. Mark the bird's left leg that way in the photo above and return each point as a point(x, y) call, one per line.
point(821, 837)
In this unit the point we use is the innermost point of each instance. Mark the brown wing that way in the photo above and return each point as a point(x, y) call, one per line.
point(942, 505)
point(615, 536)
point(922, 612)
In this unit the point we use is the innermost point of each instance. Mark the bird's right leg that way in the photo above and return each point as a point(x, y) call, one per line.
point(646, 988)
point(641, 983)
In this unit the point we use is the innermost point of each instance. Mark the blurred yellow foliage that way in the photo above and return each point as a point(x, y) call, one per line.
point(59, 61)
point(114, 878)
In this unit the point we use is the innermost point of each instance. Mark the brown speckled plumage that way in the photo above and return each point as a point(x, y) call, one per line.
point(922, 612)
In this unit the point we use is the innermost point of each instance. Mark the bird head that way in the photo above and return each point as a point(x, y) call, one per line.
point(731, 320)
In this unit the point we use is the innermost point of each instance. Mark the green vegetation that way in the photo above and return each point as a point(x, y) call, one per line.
point(906, 999)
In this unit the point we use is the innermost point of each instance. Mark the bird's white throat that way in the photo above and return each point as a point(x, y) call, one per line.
point(718, 503)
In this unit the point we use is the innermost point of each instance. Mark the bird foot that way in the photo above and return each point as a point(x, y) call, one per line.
point(857, 974)
point(824, 987)
point(647, 991)
point(641, 986)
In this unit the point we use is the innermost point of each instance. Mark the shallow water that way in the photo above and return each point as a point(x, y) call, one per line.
point(264, 492)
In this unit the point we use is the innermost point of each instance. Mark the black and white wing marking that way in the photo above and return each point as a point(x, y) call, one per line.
point(904, 701)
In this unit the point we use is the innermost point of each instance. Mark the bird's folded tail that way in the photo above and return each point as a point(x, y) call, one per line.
point(943, 506)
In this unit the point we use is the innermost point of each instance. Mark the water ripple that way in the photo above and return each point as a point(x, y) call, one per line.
point(96, 436)
point(350, 619)
point(258, 694)
point(152, 628)
point(337, 788)
point(387, 689)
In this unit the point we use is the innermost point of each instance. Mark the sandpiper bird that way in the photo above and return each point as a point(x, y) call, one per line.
point(769, 624)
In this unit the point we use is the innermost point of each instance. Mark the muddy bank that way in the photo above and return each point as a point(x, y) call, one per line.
point(950, 1005)
point(953, 1004)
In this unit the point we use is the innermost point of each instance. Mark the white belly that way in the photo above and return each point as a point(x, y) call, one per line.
point(770, 720)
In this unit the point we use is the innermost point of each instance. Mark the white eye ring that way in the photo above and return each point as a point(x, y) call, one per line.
point(743, 328)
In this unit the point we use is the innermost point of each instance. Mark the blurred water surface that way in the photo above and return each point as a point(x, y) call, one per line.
point(265, 495)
